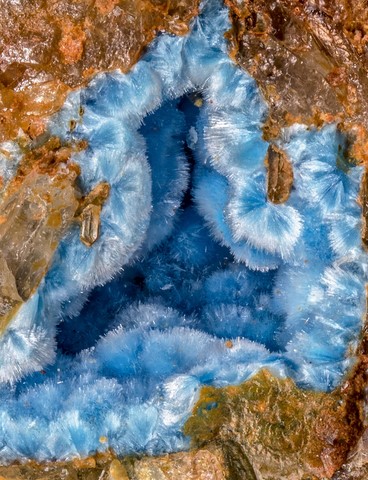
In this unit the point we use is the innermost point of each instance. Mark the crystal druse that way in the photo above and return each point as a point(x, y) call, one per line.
point(216, 253)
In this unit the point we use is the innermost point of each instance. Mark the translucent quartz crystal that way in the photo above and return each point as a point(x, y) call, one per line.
point(35, 215)
point(9, 297)
point(89, 212)
point(90, 218)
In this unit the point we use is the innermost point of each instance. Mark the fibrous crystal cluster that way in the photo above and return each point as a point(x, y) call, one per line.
point(198, 275)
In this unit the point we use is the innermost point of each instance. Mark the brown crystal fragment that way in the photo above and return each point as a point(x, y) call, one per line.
point(279, 175)
point(364, 204)
point(97, 196)
point(309, 59)
point(37, 207)
point(90, 218)
point(89, 211)
point(49, 47)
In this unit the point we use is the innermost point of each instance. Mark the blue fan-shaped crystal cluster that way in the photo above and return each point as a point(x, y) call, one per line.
point(197, 278)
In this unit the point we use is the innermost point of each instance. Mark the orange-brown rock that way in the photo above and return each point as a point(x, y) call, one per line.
point(309, 59)
point(202, 464)
point(268, 428)
point(48, 47)
point(90, 468)
point(357, 466)
point(363, 200)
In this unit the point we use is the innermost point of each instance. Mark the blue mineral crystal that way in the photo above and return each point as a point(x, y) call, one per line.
point(197, 278)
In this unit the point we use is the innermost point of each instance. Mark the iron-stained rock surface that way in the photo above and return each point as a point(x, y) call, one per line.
point(202, 464)
point(309, 59)
point(268, 428)
point(48, 47)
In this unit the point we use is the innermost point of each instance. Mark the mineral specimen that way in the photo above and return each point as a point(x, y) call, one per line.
point(212, 249)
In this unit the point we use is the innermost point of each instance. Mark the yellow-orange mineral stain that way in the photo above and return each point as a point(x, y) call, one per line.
point(106, 6)
point(71, 43)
